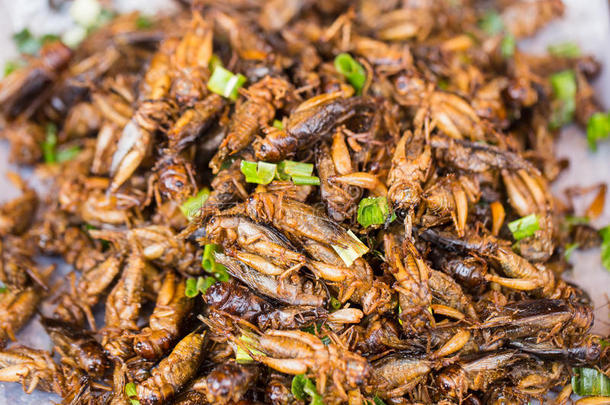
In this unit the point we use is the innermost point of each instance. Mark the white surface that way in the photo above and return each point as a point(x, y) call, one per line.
point(586, 22)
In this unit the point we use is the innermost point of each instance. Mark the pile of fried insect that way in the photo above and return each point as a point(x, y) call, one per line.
point(299, 202)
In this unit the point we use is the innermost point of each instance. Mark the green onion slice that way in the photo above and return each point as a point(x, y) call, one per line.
point(191, 288)
point(353, 251)
point(598, 127)
point(589, 381)
point(299, 172)
point(564, 103)
point(306, 180)
point(353, 71)
point(241, 354)
point(49, 144)
point(214, 62)
point(569, 248)
point(208, 262)
point(225, 83)
point(377, 401)
point(12, 65)
point(278, 124)
point(302, 387)
point(26, 43)
point(143, 22)
point(292, 168)
point(130, 390)
point(203, 283)
point(524, 227)
point(491, 23)
point(335, 303)
point(564, 84)
point(63, 155)
point(565, 50)
point(373, 211)
point(508, 45)
point(605, 233)
point(191, 207)
point(258, 172)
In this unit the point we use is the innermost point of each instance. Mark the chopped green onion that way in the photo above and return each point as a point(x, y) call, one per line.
point(225, 83)
point(374, 211)
point(302, 387)
point(264, 173)
point(3, 288)
point(208, 262)
point(352, 70)
point(242, 355)
point(508, 45)
point(278, 124)
point(258, 172)
point(564, 84)
point(306, 180)
point(292, 168)
point(214, 62)
point(598, 127)
point(378, 401)
point(565, 50)
point(11, 66)
point(491, 23)
point(443, 84)
point(26, 43)
point(49, 144)
point(605, 234)
point(63, 155)
point(221, 273)
point(399, 312)
point(589, 381)
point(570, 247)
point(571, 220)
point(143, 22)
point(524, 227)
point(48, 38)
point(298, 386)
point(191, 207)
point(313, 329)
point(335, 303)
point(191, 288)
point(130, 390)
point(564, 103)
point(353, 251)
point(203, 283)
point(299, 172)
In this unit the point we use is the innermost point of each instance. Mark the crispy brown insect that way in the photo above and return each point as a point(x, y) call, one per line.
point(227, 382)
point(166, 320)
point(174, 371)
point(315, 118)
point(77, 347)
